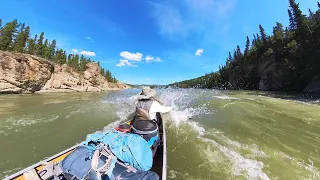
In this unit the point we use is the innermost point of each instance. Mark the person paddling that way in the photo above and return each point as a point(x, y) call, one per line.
point(147, 107)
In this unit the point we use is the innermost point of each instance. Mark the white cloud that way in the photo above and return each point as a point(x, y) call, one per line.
point(131, 56)
point(88, 53)
point(169, 20)
point(75, 50)
point(89, 39)
point(150, 59)
point(199, 52)
point(157, 59)
point(125, 62)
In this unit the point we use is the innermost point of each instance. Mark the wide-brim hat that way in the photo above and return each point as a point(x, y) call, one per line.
point(147, 93)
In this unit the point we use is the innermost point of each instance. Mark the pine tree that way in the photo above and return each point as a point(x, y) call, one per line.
point(46, 50)
point(278, 31)
point(230, 57)
point(75, 61)
point(7, 35)
point(69, 60)
point(263, 35)
point(300, 22)
point(63, 57)
point(0, 27)
point(239, 53)
point(22, 38)
point(102, 71)
point(31, 46)
point(52, 49)
point(246, 51)
point(254, 41)
point(311, 14)
point(39, 45)
point(235, 56)
point(35, 39)
point(82, 63)
point(318, 5)
point(292, 24)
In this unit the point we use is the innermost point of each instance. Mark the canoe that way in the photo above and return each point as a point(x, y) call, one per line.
point(159, 161)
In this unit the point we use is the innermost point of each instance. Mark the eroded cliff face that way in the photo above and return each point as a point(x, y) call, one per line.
point(23, 73)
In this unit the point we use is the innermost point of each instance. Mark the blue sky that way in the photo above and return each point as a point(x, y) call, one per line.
point(151, 41)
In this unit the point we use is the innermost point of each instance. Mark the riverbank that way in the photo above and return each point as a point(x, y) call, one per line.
point(24, 73)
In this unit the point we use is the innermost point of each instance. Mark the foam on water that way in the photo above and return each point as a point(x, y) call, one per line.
point(188, 106)
point(123, 105)
point(241, 165)
point(226, 97)
point(12, 123)
point(184, 110)
point(308, 166)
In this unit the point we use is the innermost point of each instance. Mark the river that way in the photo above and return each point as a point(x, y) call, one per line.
point(211, 134)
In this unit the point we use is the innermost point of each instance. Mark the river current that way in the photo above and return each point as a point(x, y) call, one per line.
point(211, 134)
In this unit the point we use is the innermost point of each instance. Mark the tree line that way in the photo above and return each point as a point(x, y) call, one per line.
point(296, 48)
point(16, 37)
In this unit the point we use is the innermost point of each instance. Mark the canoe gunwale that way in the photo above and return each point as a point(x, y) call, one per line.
point(164, 160)
point(19, 173)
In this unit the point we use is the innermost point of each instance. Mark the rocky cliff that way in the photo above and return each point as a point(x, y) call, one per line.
point(23, 73)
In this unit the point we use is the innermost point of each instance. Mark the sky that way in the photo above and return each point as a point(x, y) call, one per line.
point(151, 41)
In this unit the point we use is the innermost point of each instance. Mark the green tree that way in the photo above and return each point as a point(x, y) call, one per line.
point(102, 71)
point(69, 59)
point(75, 61)
point(292, 23)
point(82, 64)
point(31, 46)
point(8, 34)
point(238, 52)
point(63, 58)
point(263, 35)
point(246, 50)
point(52, 48)
point(39, 45)
point(46, 49)
point(22, 38)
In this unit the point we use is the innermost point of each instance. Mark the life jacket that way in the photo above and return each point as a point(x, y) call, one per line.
point(143, 109)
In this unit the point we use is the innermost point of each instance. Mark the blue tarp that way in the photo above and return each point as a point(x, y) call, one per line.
point(131, 149)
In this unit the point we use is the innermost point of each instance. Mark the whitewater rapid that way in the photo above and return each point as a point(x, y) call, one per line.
point(188, 104)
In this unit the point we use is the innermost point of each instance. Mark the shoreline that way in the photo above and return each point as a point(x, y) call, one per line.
point(57, 91)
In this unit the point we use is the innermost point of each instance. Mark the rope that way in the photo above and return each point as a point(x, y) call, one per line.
point(104, 150)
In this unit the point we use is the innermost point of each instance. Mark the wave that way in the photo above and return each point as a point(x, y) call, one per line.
point(226, 97)
point(184, 111)
point(15, 124)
